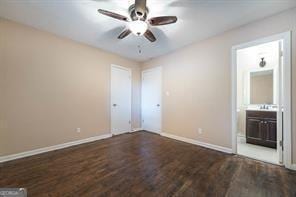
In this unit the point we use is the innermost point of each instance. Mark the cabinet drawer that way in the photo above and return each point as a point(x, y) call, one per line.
point(261, 114)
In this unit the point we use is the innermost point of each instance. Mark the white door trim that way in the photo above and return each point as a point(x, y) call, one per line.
point(286, 37)
point(142, 74)
point(130, 73)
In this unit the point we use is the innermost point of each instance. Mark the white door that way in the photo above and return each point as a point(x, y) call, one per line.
point(151, 100)
point(120, 99)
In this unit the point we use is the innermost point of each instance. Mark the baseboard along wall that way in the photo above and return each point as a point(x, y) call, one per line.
point(199, 143)
point(51, 148)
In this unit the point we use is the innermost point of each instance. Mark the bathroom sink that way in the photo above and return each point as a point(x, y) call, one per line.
point(259, 108)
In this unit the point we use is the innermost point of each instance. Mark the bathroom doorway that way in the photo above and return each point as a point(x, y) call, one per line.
point(261, 100)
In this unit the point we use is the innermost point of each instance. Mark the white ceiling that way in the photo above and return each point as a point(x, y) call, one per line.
point(197, 20)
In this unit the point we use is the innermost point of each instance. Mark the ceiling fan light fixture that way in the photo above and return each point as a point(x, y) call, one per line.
point(138, 22)
point(138, 27)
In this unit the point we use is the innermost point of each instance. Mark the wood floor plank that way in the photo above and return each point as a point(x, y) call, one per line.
point(145, 164)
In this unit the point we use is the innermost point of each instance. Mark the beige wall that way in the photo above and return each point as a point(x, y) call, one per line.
point(50, 86)
point(198, 78)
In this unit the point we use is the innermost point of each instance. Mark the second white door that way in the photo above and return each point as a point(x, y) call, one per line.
point(151, 100)
point(120, 99)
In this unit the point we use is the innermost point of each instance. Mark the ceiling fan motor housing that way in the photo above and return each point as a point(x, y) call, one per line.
point(134, 16)
point(140, 8)
point(140, 14)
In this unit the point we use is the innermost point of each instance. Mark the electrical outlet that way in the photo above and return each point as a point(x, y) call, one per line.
point(199, 130)
point(78, 130)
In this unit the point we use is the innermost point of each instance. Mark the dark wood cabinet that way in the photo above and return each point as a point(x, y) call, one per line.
point(261, 128)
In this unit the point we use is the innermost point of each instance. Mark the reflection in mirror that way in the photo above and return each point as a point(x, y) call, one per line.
point(261, 87)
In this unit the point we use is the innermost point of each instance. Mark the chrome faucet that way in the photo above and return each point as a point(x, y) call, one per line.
point(264, 106)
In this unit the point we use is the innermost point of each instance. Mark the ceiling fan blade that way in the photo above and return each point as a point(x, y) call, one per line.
point(123, 34)
point(162, 20)
point(113, 15)
point(149, 35)
point(140, 8)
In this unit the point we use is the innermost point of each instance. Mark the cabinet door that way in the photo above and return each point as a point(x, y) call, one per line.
point(254, 129)
point(271, 135)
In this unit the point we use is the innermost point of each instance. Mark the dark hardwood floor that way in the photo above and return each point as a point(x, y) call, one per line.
point(145, 164)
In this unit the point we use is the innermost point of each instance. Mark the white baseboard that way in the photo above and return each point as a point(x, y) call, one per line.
point(240, 135)
point(199, 143)
point(51, 148)
point(136, 129)
point(241, 139)
point(292, 167)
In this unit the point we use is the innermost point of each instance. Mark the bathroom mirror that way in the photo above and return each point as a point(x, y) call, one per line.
point(261, 87)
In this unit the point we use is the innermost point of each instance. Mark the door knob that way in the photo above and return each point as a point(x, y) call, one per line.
point(114, 105)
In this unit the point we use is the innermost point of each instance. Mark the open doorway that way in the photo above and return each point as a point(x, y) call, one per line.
point(261, 107)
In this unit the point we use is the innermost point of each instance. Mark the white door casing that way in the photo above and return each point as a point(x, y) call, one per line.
point(284, 121)
point(280, 93)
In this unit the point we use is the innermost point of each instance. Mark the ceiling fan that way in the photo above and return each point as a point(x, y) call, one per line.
point(137, 22)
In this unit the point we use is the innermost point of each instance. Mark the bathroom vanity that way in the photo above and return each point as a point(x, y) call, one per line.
point(261, 127)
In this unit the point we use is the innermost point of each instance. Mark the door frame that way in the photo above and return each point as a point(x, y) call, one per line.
point(142, 74)
point(110, 101)
point(286, 101)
